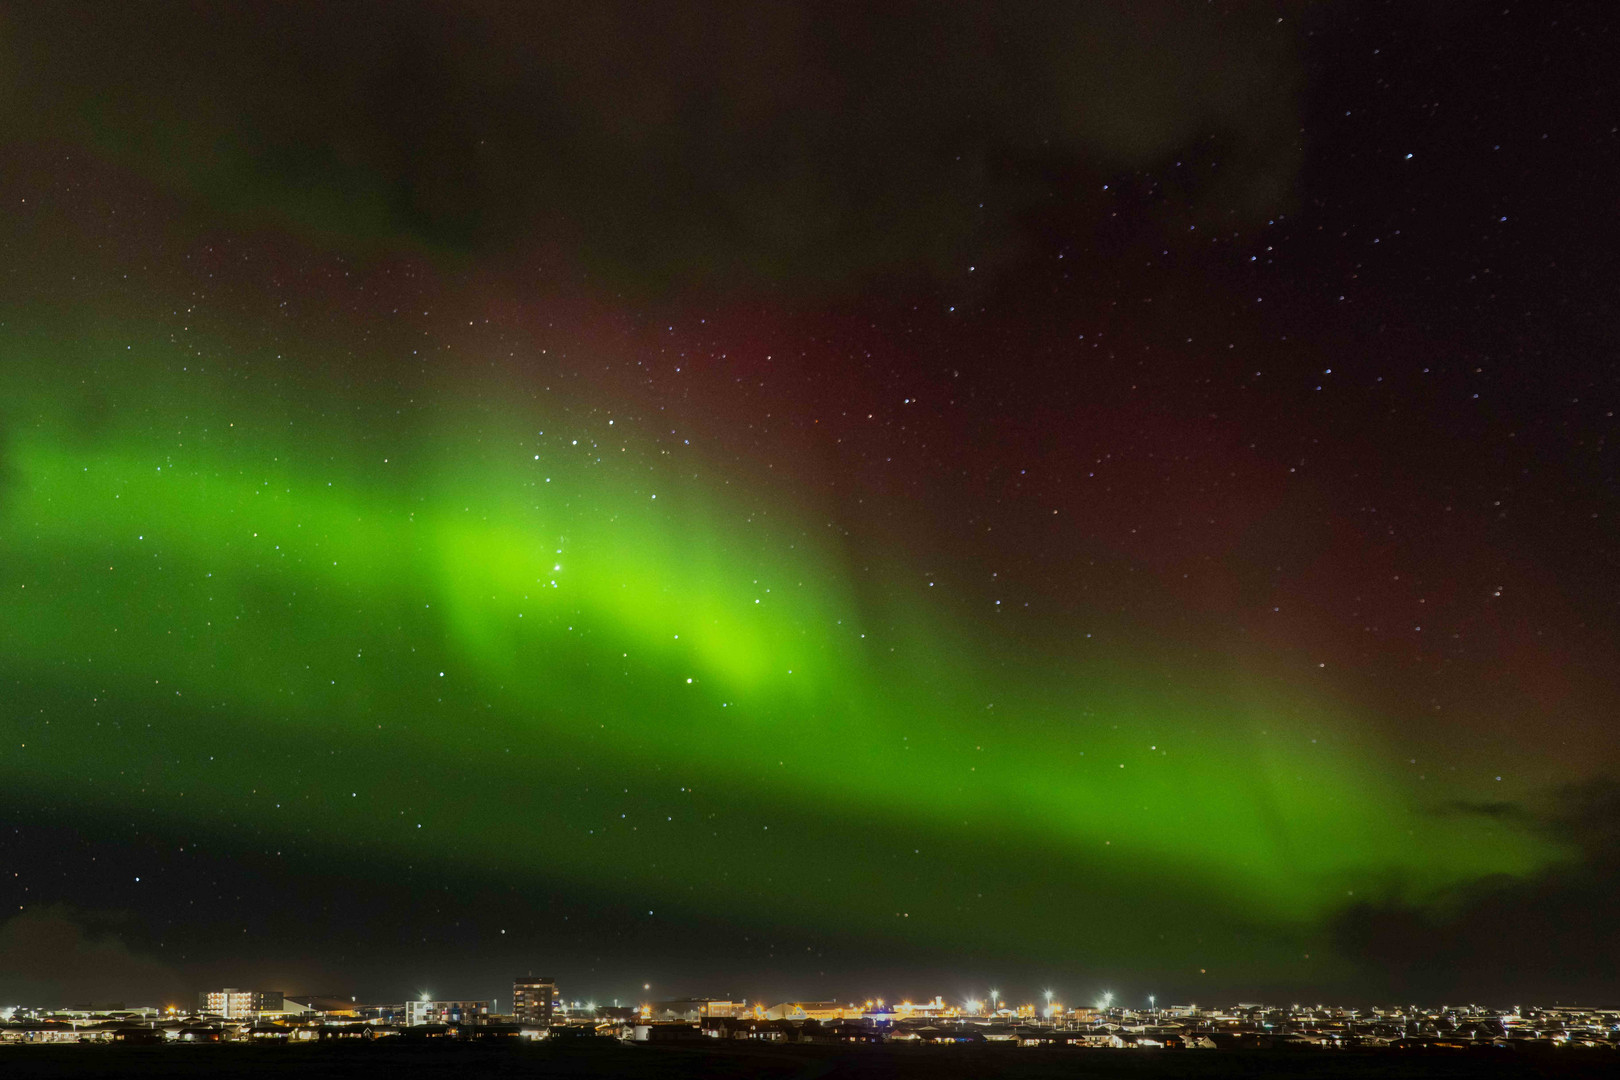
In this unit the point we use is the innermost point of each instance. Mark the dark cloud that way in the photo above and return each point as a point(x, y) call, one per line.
point(1500, 811)
point(59, 956)
point(698, 142)
point(1553, 934)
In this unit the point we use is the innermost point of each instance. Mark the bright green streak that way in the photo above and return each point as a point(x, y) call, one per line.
point(279, 592)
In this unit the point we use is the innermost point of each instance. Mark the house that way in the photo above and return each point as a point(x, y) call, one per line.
point(741, 1027)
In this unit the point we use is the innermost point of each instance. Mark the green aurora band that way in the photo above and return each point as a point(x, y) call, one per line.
point(486, 630)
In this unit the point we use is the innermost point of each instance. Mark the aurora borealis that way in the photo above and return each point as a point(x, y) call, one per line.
point(417, 564)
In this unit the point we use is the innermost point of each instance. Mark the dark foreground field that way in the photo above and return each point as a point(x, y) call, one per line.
point(318, 1062)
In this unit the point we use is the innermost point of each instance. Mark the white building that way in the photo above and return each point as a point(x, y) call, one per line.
point(446, 1012)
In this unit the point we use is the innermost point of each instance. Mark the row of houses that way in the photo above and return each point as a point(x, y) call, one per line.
point(292, 1018)
point(1167, 1035)
point(199, 1030)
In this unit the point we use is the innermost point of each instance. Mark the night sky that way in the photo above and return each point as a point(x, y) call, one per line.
point(810, 501)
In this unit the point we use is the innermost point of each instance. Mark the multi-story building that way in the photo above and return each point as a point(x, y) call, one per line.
point(234, 1004)
point(446, 1012)
point(533, 997)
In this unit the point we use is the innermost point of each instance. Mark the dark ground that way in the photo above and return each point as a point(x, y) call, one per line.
point(316, 1062)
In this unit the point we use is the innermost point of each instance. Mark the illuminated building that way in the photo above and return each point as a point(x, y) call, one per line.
point(693, 1009)
point(808, 1010)
point(937, 1007)
point(533, 997)
point(445, 1012)
point(234, 1004)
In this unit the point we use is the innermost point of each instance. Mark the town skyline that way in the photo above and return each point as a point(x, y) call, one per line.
point(709, 1025)
point(807, 499)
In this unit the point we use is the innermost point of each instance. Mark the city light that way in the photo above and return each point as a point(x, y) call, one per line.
point(1243, 1026)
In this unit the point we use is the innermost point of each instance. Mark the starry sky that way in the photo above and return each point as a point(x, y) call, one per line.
point(813, 502)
